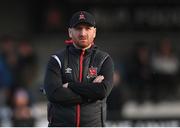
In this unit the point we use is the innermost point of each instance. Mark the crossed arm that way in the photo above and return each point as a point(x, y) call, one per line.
point(53, 86)
point(73, 93)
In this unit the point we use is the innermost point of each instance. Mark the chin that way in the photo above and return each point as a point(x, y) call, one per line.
point(84, 45)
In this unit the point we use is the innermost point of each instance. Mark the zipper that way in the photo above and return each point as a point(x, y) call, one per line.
point(78, 109)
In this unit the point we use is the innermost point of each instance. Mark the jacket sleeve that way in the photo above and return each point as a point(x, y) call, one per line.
point(53, 86)
point(97, 91)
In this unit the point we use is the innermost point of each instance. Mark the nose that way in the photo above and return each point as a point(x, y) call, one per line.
point(83, 32)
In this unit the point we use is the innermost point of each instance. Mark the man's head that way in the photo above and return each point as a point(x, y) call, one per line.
point(82, 29)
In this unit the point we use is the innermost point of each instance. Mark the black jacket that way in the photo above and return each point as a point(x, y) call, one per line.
point(83, 103)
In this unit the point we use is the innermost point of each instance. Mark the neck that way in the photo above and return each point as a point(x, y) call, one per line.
point(81, 48)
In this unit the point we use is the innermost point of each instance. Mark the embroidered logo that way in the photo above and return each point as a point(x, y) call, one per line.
point(68, 70)
point(81, 16)
point(92, 72)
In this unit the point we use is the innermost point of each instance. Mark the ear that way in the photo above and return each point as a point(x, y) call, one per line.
point(70, 32)
point(94, 33)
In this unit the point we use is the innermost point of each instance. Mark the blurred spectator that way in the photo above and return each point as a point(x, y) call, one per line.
point(165, 64)
point(115, 100)
point(27, 64)
point(22, 114)
point(8, 63)
point(139, 72)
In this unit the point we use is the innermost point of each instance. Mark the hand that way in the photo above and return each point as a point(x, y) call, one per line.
point(65, 85)
point(98, 79)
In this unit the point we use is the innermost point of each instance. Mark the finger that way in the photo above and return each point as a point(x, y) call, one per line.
point(98, 79)
point(102, 77)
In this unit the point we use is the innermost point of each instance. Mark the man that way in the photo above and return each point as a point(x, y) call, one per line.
point(79, 78)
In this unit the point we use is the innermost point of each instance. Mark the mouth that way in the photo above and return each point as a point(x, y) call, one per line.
point(82, 39)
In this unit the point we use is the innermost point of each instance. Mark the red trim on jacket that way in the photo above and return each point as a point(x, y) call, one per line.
point(81, 65)
point(80, 80)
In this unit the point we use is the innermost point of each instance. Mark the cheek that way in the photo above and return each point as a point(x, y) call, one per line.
point(74, 36)
point(94, 35)
point(91, 37)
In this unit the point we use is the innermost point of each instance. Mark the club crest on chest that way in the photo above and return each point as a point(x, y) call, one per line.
point(92, 72)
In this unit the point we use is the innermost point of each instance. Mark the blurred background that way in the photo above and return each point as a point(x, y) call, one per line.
point(141, 36)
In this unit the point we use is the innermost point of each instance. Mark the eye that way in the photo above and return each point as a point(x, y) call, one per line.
point(88, 28)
